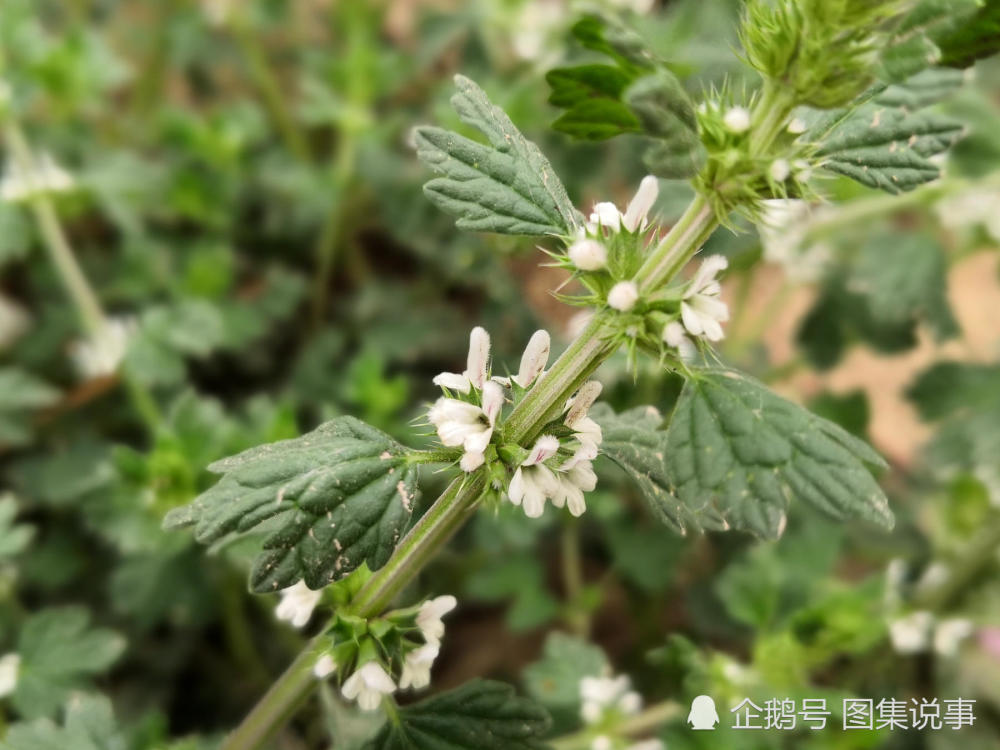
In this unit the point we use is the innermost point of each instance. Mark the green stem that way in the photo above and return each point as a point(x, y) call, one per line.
point(642, 723)
point(572, 569)
point(89, 309)
point(691, 231)
point(267, 84)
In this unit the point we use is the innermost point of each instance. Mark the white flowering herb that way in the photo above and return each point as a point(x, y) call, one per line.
point(23, 182)
point(725, 452)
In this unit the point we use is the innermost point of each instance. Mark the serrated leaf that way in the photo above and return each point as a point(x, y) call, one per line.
point(59, 652)
point(20, 394)
point(89, 724)
point(736, 447)
point(915, 44)
point(888, 148)
point(333, 499)
point(635, 441)
point(508, 187)
point(480, 715)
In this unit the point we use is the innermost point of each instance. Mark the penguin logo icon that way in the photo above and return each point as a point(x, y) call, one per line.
point(703, 714)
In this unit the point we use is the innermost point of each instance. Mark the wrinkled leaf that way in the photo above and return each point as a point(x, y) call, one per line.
point(507, 187)
point(333, 499)
point(977, 37)
point(739, 450)
point(480, 715)
point(886, 148)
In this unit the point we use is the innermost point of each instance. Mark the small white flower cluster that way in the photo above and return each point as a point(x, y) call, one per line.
point(543, 475)
point(918, 631)
point(10, 667)
point(371, 681)
point(602, 697)
point(702, 309)
point(588, 253)
point(21, 184)
point(470, 424)
point(101, 353)
point(784, 230)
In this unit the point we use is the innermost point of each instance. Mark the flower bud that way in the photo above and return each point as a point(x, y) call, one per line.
point(635, 215)
point(780, 169)
point(623, 296)
point(588, 255)
point(737, 120)
point(582, 402)
point(534, 359)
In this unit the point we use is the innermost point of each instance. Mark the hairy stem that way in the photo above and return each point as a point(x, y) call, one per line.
point(642, 723)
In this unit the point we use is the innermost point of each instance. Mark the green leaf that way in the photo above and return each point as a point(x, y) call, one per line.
point(977, 37)
point(89, 725)
point(333, 499)
point(667, 114)
point(737, 448)
point(923, 89)
point(480, 715)
point(59, 652)
point(954, 388)
point(903, 279)
point(916, 43)
point(554, 680)
point(14, 538)
point(886, 148)
point(634, 441)
point(508, 187)
point(20, 394)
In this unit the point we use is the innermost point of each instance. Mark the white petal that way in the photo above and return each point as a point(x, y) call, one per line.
point(516, 488)
point(607, 215)
point(471, 461)
point(476, 442)
point(479, 356)
point(737, 119)
point(707, 271)
point(493, 399)
point(544, 448)
point(638, 208)
point(712, 307)
point(623, 296)
point(453, 382)
point(692, 320)
point(534, 359)
point(588, 255)
point(324, 667)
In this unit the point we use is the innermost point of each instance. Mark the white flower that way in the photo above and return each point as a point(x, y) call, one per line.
point(463, 424)
point(674, 335)
point(576, 325)
point(367, 685)
point(429, 617)
point(641, 204)
point(949, 634)
point(14, 322)
point(784, 227)
point(529, 487)
point(534, 359)
point(737, 119)
point(623, 296)
point(573, 482)
point(324, 667)
point(797, 126)
point(44, 176)
point(580, 404)
point(588, 254)
point(780, 169)
point(911, 634)
point(701, 309)
point(598, 694)
point(297, 604)
point(101, 354)
point(607, 215)
point(417, 666)
point(602, 742)
point(475, 366)
point(10, 666)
